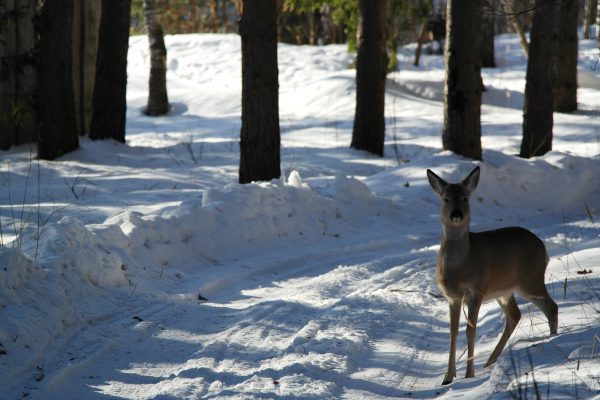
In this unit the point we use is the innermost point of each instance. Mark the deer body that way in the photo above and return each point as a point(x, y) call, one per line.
point(474, 267)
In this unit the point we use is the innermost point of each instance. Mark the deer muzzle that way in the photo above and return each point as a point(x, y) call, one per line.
point(456, 216)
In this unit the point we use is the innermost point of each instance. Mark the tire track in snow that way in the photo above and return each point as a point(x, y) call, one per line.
point(309, 331)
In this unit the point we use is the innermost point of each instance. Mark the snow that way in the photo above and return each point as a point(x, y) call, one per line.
point(144, 271)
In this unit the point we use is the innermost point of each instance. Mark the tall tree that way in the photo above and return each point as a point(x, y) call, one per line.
point(58, 129)
point(565, 80)
point(109, 102)
point(158, 101)
point(462, 86)
point(591, 9)
point(371, 65)
point(86, 22)
point(259, 136)
point(18, 120)
point(537, 115)
point(598, 24)
point(514, 17)
point(488, 24)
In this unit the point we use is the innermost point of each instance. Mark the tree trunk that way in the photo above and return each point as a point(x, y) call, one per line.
point(259, 136)
point(591, 9)
point(598, 24)
point(86, 23)
point(487, 34)
point(213, 15)
point(516, 23)
point(565, 82)
point(537, 115)
point(18, 120)
point(58, 129)
point(462, 86)
point(109, 103)
point(420, 40)
point(158, 101)
point(224, 17)
point(194, 15)
point(371, 64)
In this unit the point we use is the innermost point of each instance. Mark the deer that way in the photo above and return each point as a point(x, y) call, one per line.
point(476, 267)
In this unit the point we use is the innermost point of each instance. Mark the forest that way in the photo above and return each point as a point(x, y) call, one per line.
point(233, 198)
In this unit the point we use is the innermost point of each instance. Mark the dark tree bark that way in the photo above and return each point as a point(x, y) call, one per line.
point(537, 115)
point(488, 23)
point(371, 65)
point(591, 8)
point(109, 103)
point(259, 136)
point(58, 129)
point(158, 100)
point(462, 87)
point(86, 21)
point(18, 119)
point(565, 81)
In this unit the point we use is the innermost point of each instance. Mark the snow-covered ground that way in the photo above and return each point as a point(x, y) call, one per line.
point(144, 271)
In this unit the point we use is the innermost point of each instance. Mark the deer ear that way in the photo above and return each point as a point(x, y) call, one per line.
point(437, 183)
point(471, 181)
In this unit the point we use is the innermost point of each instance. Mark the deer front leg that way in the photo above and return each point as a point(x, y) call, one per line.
point(454, 306)
point(474, 303)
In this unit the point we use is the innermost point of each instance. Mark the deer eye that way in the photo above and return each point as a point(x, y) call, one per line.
point(465, 199)
point(446, 200)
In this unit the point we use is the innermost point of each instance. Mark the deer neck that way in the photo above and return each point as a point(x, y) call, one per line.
point(454, 245)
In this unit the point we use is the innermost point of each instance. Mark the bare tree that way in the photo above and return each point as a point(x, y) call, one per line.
point(259, 136)
point(462, 86)
point(109, 102)
point(371, 66)
point(565, 79)
point(537, 116)
point(158, 100)
point(56, 105)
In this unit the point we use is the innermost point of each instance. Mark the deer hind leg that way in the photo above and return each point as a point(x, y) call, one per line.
point(513, 315)
point(544, 302)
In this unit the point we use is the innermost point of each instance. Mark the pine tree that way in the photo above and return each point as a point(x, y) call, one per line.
point(86, 23)
point(487, 34)
point(537, 115)
point(462, 90)
point(591, 8)
point(158, 101)
point(259, 136)
point(18, 119)
point(109, 102)
point(565, 80)
point(58, 129)
point(371, 67)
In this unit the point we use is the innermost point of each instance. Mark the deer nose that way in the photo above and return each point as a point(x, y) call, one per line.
point(456, 216)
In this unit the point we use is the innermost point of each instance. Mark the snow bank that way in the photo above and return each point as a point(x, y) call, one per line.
point(78, 265)
point(511, 190)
